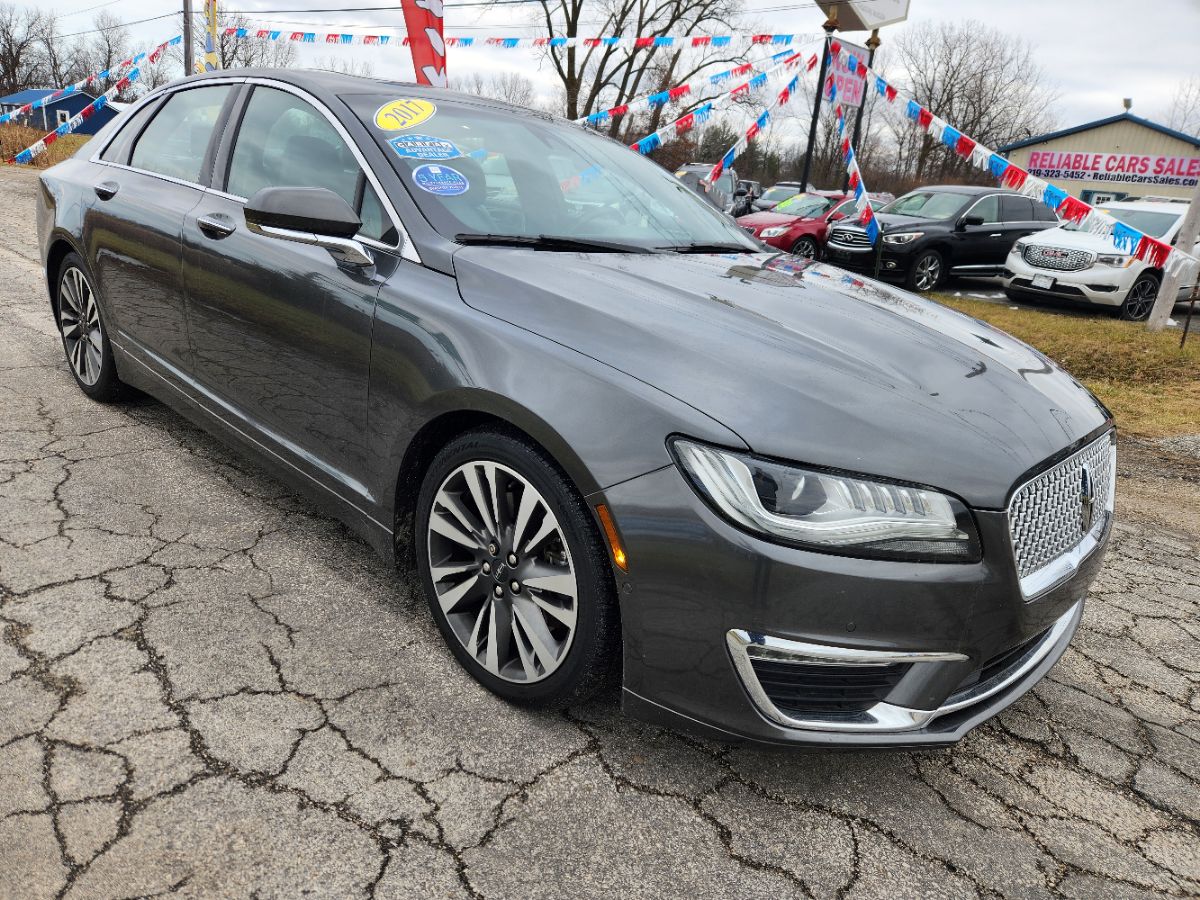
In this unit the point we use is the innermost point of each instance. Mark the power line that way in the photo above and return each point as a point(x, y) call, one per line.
point(121, 25)
point(86, 9)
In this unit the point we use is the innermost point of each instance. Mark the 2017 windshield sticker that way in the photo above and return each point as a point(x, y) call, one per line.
point(441, 180)
point(405, 112)
point(423, 146)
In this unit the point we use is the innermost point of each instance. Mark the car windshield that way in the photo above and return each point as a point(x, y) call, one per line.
point(481, 171)
point(1155, 224)
point(804, 205)
point(778, 193)
point(927, 204)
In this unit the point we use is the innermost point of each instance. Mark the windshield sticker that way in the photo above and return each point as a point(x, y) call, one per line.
point(423, 146)
point(441, 180)
point(396, 115)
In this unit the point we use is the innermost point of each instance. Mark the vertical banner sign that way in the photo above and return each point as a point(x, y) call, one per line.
point(211, 60)
point(850, 85)
point(423, 19)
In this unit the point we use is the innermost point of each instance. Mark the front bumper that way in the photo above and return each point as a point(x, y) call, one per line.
point(893, 264)
point(703, 603)
point(1102, 285)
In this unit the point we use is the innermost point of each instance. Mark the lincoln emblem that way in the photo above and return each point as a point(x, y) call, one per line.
point(1087, 500)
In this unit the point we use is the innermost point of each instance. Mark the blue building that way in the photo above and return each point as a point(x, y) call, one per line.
point(58, 111)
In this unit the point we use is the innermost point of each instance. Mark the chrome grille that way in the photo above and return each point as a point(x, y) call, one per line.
point(1059, 259)
point(850, 238)
point(1046, 516)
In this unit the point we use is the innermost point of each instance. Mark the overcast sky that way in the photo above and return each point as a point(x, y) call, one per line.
point(1094, 51)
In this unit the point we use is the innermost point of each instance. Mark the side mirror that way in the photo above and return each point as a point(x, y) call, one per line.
point(308, 215)
point(969, 220)
point(741, 192)
point(834, 217)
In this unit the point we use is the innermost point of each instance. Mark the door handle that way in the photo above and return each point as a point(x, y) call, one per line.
point(106, 190)
point(216, 225)
point(996, 234)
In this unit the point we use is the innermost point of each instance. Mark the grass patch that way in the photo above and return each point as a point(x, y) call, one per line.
point(15, 138)
point(1151, 386)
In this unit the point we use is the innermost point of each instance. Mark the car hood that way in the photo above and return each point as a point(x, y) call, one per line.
point(891, 222)
point(1072, 240)
point(763, 219)
point(803, 361)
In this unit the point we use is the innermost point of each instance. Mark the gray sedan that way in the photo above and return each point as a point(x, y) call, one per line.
point(615, 437)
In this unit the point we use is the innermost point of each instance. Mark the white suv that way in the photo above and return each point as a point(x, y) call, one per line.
point(1070, 263)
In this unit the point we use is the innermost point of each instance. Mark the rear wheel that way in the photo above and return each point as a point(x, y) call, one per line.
point(81, 327)
point(1140, 300)
point(925, 273)
point(515, 572)
point(805, 247)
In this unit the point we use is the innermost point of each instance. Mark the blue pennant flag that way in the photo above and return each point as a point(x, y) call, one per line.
point(881, 86)
point(721, 41)
point(914, 110)
point(557, 41)
point(1053, 197)
point(1126, 238)
point(997, 165)
point(950, 136)
point(649, 143)
point(659, 99)
point(729, 157)
point(873, 231)
point(664, 41)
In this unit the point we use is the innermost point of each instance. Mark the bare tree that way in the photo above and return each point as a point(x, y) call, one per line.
point(510, 87)
point(20, 31)
point(982, 81)
point(61, 62)
point(1184, 111)
point(603, 76)
point(362, 68)
point(105, 49)
point(248, 52)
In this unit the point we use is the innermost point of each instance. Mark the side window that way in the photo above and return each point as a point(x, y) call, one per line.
point(725, 184)
point(117, 150)
point(64, 116)
point(989, 208)
point(1043, 213)
point(175, 141)
point(284, 141)
point(1016, 209)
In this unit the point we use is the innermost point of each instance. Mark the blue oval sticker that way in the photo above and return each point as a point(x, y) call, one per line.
point(423, 146)
point(441, 180)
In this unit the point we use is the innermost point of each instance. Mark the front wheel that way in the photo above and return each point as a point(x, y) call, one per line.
point(805, 247)
point(925, 273)
point(515, 572)
point(1139, 302)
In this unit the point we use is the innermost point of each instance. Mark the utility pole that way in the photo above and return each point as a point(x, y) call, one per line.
point(872, 46)
point(830, 27)
point(1168, 290)
point(189, 46)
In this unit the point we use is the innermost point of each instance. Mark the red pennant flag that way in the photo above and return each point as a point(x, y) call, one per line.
point(812, 62)
point(924, 118)
point(1074, 210)
point(591, 42)
point(1153, 252)
point(1014, 177)
point(891, 93)
point(963, 146)
point(685, 123)
point(619, 110)
point(643, 42)
point(676, 92)
point(702, 41)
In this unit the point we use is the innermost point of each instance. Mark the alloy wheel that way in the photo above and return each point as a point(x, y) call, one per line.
point(806, 248)
point(1141, 299)
point(79, 322)
point(929, 268)
point(502, 571)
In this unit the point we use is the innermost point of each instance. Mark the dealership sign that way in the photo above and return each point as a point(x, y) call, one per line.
point(850, 86)
point(1124, 168)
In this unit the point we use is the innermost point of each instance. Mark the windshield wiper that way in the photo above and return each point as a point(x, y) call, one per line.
point(550, 242)
point(700, 247)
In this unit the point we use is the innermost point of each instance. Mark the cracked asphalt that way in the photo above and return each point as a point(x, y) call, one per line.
point(209, 689)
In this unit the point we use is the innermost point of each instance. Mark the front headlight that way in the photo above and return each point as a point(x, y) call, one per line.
point(1018, 248)
point(834, 513)
point(903, 237)
point(775, 231)
point(1118, 260)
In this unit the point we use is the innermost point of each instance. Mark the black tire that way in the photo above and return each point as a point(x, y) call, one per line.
point(926, 263)
point(1139, 302)
point(79, 315)
point(590, 660)
point(805, 247)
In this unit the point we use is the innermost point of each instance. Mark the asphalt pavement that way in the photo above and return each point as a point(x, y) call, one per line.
point(209, 689)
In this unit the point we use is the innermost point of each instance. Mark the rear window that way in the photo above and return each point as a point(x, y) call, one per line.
point(1155, 224)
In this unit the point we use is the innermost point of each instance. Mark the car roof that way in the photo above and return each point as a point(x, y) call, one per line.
point(970, 189)
point(1159, 206)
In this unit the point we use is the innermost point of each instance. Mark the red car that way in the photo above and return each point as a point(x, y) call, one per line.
point(798, 225)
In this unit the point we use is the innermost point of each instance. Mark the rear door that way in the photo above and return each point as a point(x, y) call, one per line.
point(281, 333)
point(1020, 217)
point(147, 179)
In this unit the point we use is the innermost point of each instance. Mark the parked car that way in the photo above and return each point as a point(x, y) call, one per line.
point(777, 193)
point(933, 232)
point(720, 193)
point(799, 224)
point(612, 439)
point(1070, 263)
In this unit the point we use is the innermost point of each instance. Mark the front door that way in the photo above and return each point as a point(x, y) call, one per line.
point(280, 331)
point(132, 228)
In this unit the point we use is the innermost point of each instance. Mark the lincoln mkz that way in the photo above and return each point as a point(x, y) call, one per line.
point(613, 436)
